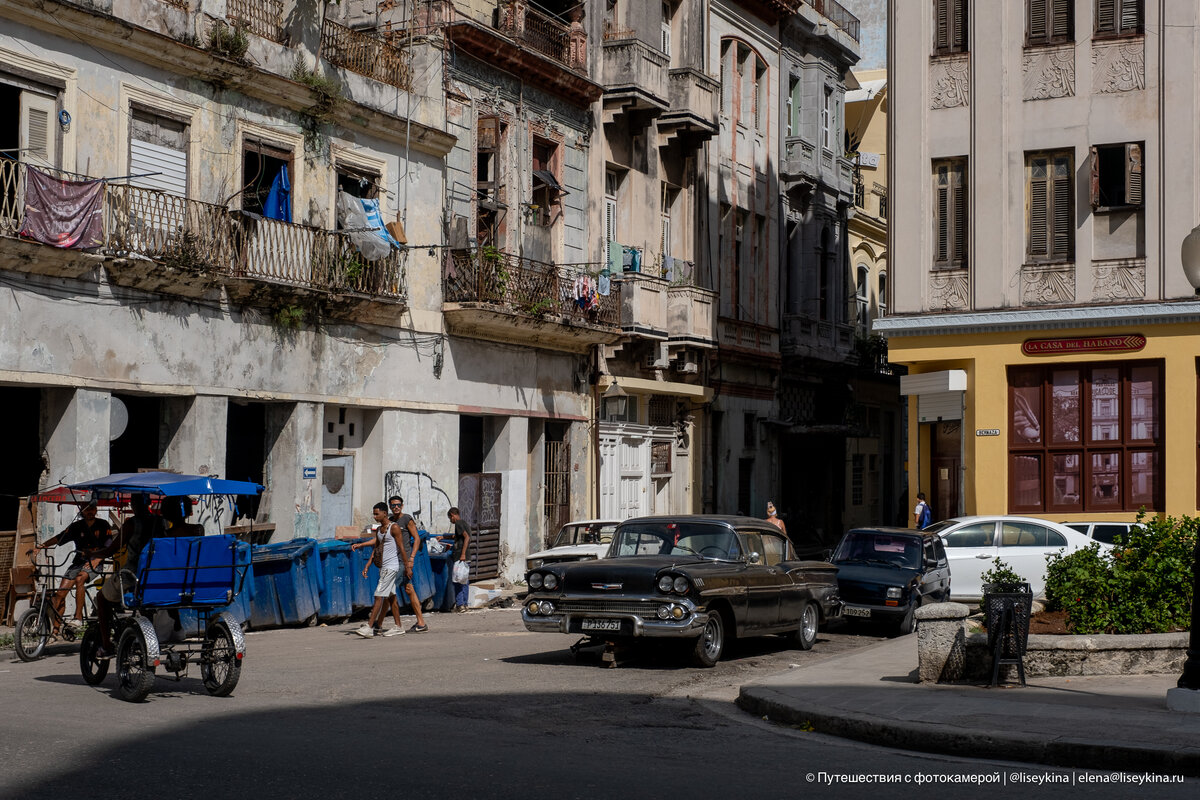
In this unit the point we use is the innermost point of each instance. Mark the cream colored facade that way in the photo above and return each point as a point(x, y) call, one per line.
point(1031, 389)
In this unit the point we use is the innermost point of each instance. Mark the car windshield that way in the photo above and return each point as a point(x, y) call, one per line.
point(668, 538)
point(585, 533)
point(870, 547)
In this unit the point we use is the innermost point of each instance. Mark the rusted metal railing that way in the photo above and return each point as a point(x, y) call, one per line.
point(540, 31)
point(527, 287)
point(183, 233)
point(261, 17)
point(838, 14)
point(366, 54)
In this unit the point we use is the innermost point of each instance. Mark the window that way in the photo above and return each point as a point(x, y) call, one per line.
point(357, 181)
point(774, 549)
point(793, 105)
point(546, 188)
point(1049, 21)
point(744, 77)
point(668, 199)
point(976, 535)
point(1119, 17)
point(881, 300)
point(265, 166)
point(827, 119)
point(950, 26)
point(1029, 534)
point(158, 150)
point(950, 221)
point(883, 205)
point(740, 244)
point(1116, 172)
point(856, 479)
point(1085, 437)
point(861, 297)
point(1050, 227)
point(612, 185)
point(666, 29)
point(860, 193)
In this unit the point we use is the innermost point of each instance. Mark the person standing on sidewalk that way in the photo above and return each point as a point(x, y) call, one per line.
point(922, 514)
point(408, 527)
point(773, 518)
point(458, 554)
point(391, 544)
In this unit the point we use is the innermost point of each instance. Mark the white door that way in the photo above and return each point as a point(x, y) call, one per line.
point(337, 494)
point(610, 476)
point(970, 550)
point(634, 457)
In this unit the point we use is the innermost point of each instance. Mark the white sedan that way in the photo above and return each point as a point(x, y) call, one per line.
point(1023, 543)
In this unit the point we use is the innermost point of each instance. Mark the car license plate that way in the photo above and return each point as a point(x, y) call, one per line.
point(851, 611)
point(600, 624)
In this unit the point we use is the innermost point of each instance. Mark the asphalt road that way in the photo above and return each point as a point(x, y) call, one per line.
point(476, 708)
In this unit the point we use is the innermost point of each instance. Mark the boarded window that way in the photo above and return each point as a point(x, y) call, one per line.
point(1050, 226)
point(950, 213)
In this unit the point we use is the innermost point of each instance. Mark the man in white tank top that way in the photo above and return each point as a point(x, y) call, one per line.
point(392, 545)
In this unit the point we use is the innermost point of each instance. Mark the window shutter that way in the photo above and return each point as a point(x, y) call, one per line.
point(1037, 20)
point(1131, 16)
point(942, 25)
point(1060, 18)
point(37, 140)
point(610, 219)
point(1094, 187)
point(943, 224)
point(958, 26)
point(1061, 188)
point(960, 217)
point(1133, 174)
point(1106, 16)
point(1037, 207)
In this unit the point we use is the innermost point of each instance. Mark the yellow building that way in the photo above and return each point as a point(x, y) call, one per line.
point(1037, 294)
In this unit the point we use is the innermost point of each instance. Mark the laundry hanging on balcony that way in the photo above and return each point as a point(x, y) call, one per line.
point(631, 259)
point(375, 220)
point(604, 283)
point(584, 293)
point(279, 198)
point(63, 213)
point(352, 218)
point(615, 251)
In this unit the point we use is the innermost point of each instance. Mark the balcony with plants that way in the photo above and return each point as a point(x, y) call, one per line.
point(491, 294)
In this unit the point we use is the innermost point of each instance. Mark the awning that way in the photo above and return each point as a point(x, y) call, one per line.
point(546, 177)
point(165, 484)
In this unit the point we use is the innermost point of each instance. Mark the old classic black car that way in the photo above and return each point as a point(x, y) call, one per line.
point(707, 578)
point(887, 573)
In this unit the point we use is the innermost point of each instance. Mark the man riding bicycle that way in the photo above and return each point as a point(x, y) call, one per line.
point(91, 536)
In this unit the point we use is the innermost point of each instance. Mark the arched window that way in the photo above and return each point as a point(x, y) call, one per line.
point(743, 85)
point(862, 297)
point(881, 301)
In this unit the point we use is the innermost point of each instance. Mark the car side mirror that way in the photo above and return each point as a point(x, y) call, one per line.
point(827, 554)
point(753, 558)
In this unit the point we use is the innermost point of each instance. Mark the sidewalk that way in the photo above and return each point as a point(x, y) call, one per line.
point(872, 695)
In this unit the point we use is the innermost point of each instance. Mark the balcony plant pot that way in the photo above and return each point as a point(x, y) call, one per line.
point(1016, 598)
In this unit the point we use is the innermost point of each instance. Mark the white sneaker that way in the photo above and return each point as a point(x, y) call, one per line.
point(365, 631)
point(393, 632)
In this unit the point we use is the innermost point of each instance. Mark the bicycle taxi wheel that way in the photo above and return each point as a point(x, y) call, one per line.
point(137, 657)
point(32, 633)
point(220, 657)
point(92, 668)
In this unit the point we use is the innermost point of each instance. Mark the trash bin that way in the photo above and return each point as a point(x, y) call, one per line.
point(287, 583)
point(337, 573)
point(422, 574)
point(443, 586)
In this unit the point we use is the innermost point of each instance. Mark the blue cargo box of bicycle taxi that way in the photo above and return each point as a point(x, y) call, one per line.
point(188, 572)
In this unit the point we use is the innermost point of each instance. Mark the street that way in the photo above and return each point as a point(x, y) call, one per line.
point(478, 707)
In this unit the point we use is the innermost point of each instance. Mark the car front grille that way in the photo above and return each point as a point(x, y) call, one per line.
point(643, 608)
point(853, 592)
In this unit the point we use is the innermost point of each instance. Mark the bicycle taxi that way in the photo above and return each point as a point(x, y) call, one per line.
point(198, 574)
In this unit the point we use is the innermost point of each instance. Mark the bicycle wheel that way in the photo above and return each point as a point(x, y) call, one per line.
point(220, 667)
point(32, 633)
point(135, 673)
point(93, 669)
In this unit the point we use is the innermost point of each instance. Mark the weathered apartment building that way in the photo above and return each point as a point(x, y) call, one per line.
point(1044, 169)
point(575, 309)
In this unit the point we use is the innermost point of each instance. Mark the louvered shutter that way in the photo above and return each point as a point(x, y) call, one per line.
point(1037, 20)
point(610, 219)
point(1038, 188)
point(37, 140)
point(1094, 169)
point(1106, 16)
point(1060, 18)
point(943, 216)
point(1133, 174)
point(941, 41)
point(959, 197)
point(958, 26)
point(1061, 188)
point(1131, 16)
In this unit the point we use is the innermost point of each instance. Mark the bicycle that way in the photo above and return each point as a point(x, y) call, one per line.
point(35, 627)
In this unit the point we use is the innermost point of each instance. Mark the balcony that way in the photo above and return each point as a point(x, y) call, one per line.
point(261, 17)
point(644, 306)
point(635, 78)
point(748, 339)
point(804, 337)
point(693, 110)
point(366, 54)
point(161, 242)
point(489, 294)
point(799, 159)
point(690, 316)
point(520, 39)
point(838, 14)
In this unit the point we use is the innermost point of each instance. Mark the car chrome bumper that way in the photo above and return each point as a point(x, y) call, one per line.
point(689, 626)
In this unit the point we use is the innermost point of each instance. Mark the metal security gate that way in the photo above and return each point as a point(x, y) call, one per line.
point(479, 504)
point(558, 488)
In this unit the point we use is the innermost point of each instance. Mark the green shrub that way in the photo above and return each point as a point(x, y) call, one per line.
point(1002, 577)
point(1144, 585)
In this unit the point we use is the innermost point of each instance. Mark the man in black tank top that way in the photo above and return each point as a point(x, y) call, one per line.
point(408, 529)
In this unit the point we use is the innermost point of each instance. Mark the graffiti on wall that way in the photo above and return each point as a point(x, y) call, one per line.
point(423, 498)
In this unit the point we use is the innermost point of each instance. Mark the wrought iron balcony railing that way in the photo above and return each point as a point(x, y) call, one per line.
point(366, 54)
point(838, 14)
point(261, 17)
point(529, 288)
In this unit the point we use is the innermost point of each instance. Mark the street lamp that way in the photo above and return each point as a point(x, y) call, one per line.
point(1186, 695)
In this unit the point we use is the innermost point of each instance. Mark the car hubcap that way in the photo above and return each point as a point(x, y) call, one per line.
point(810, 623)
point(712, 638)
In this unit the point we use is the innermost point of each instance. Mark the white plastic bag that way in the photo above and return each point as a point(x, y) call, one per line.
point(434, 546)
point(462, 572)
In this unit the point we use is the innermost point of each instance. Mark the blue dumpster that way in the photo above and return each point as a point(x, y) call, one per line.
point(443, 586)
point(189, 619)
point(362, 591)
point(337, 573)
point(287, 583)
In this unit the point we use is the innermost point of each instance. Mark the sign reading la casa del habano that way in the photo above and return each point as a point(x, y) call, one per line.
point(1121, 343)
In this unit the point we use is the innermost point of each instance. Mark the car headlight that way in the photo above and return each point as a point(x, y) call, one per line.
point(534, 564)
point(664, 612)
point(894, 592)
point(550, 581)
point(547, 609)
point(534, 608)
point(664, 583)
point(680, 584)
point(535, 580)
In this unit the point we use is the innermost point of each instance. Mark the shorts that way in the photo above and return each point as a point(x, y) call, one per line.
point(387, 583)
point(75, 569)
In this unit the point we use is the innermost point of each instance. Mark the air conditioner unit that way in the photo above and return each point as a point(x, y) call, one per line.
point(658, 358)
point(687, 367)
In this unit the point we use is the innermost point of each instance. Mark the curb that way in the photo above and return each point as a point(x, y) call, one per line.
point(968, 742)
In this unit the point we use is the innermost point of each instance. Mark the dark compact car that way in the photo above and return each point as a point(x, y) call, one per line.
point(704, 578)
point(887, 573)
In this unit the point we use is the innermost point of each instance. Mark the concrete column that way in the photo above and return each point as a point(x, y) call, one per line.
point(941, 642)
point(75, 431)
point(509, 455)
point(294, 501)
point(195, 429)
point(535, 517)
